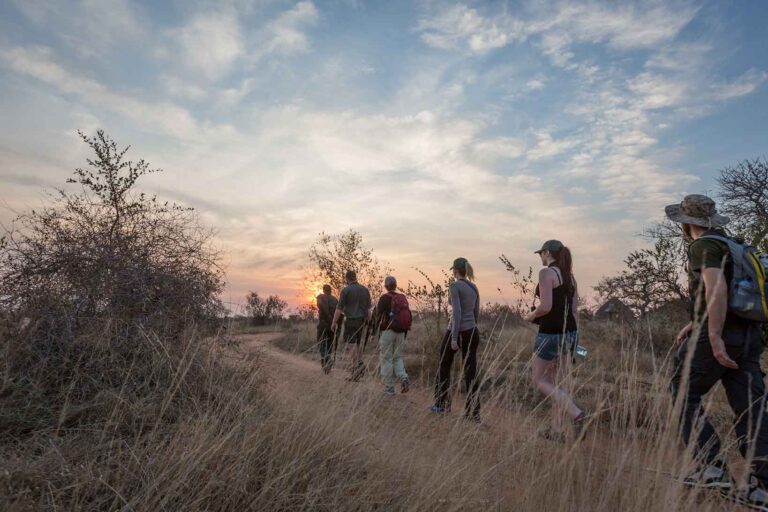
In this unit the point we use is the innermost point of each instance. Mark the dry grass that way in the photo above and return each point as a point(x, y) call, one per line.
point(230, 429)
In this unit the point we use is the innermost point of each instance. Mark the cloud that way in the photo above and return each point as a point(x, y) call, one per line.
point(208, 45)
point(90, 27)
point(741, 86)
point(284, 35)
point(547, 147)
point(559, 26)
point(39, 63)
point(463, 27)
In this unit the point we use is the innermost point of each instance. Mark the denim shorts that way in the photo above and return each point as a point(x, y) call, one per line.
point(551, 346)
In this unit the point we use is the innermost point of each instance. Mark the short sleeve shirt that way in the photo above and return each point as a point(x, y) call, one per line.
point(705, 253)
point(354, 301)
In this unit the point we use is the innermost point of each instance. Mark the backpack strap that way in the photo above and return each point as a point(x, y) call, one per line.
point(736, 249)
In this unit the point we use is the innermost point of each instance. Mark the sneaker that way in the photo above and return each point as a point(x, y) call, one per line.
point(404, 386)
point(709, 476)
point(389, 391)
point(755, 496)
point(438, 409)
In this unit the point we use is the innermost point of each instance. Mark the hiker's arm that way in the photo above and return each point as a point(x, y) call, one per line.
point(477, 308)
point(322, 308)
point(545, 296)
point(368, 308)
point(575, 302)
point(716, 291)
point(455, 314)
point(336, 317)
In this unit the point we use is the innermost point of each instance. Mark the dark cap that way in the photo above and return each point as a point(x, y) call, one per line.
point(551, 246)
point(459, 263)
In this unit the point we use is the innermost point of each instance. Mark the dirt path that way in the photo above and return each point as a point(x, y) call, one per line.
point(396, 433)
point(408, 445)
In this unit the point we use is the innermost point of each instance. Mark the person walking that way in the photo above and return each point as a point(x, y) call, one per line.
point(355, 304)
point(326, 307)
point(393, 317)
point(558, 335)
point(463, 334)
point(718, 345)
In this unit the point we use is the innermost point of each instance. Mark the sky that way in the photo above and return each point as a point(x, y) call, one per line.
point(436, 129)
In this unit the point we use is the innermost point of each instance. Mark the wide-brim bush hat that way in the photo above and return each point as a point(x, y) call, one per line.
point(698, 210)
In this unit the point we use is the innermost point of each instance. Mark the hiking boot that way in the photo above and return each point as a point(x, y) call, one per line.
point(709, 476)
point(404, 386)
point(755, 496)
point(438, 409)
point(389, 390)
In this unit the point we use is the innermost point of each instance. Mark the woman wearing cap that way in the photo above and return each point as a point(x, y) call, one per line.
point(556, 315)
point(462, 334)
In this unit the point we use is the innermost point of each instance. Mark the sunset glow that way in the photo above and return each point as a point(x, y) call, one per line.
point(435, 129)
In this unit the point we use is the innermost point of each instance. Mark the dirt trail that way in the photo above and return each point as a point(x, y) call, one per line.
point(397, 433)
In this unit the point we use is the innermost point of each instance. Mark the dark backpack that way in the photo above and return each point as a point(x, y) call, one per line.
point(399, 318)
point(748, 290)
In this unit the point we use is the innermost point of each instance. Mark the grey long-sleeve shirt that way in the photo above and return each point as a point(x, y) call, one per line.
point(465, 301)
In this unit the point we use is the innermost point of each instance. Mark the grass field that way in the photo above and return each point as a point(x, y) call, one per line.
point(249, 422)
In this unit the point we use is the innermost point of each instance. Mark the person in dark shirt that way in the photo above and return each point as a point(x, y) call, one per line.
point(558, 336)
point(355, 305)
point(725, 349)
point(390, 342)
point(326, 307)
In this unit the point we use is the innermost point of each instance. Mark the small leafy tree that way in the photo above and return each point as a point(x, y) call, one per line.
point(332, 255)
point(651, 279)
point(263, 311)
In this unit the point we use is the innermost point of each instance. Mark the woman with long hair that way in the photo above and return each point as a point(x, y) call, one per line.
point(462, 334)
point(558, 336)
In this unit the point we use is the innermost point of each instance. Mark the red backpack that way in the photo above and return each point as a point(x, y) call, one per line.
point(399, 318)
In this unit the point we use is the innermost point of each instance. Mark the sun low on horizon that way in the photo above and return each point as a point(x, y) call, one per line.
point(434, 129)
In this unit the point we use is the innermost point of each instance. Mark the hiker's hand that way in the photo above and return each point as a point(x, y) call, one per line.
point(684, 333)
point(718, 350)
point(455, 345)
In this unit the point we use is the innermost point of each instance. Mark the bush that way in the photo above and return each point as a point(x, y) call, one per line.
point(108, 252)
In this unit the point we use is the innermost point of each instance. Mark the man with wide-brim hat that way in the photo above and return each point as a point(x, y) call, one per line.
point(727, 349)
point(697, 210)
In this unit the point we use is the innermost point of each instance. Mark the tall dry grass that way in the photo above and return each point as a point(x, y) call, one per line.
point(207, 425)
point(629, 459)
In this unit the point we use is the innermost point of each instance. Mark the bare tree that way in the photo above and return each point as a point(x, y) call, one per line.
point(431, 299)
point(744, 197)
point(331, 256)
point(652, 278)
point(524, 285)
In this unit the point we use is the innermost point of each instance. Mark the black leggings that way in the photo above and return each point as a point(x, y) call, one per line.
point(468, 343)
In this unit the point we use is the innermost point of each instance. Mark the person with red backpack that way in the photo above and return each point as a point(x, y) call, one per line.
point(394, 319)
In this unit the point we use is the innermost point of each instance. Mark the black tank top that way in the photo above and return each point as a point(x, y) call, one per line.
point(560, 318)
